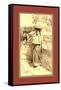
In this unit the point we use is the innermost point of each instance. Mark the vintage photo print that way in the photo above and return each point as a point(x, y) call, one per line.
point(35, 44)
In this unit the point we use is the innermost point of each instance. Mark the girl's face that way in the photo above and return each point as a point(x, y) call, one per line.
point(38, 46)
point(37, 33)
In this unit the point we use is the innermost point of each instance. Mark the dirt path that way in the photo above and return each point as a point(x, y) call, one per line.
point(26, 70)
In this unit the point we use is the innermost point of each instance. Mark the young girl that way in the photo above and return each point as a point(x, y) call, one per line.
point(37, 47)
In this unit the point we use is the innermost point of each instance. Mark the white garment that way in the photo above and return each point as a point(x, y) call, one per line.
point(36, 39)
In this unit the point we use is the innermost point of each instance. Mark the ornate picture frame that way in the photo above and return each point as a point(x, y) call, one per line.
point(31, 61)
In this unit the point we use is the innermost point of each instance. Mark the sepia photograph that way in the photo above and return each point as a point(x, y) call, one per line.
point(35, 44)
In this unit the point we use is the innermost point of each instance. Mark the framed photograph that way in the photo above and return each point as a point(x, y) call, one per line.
point(33, 44)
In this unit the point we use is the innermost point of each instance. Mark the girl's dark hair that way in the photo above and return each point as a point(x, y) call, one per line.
point(38, 30)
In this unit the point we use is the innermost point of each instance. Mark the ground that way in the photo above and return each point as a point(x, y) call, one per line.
point(27, 70)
